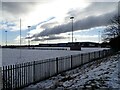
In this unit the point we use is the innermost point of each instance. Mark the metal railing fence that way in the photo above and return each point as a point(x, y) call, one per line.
point(21, 75)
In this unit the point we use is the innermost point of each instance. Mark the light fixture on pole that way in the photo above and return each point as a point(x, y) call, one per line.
point(6, 37)
point(28, 35)
point(72, 27)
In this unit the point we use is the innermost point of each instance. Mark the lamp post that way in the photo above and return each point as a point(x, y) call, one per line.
point(20, 32)
point(20, 37)
point(72, 27)
point(6, 37)
point(28, 35)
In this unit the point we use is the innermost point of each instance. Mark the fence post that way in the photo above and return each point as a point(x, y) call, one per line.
point(94, 56)
point(81, 59)
point(71, 61)
point(1, 84)
point(89, 57)
point(34, 71)
point(11, 76)
point(57, 65)
point(20, 75)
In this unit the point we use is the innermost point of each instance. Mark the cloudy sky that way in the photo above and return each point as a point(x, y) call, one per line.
point(50, 22)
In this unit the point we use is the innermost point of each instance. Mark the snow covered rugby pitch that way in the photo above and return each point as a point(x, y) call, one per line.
point(12, 56)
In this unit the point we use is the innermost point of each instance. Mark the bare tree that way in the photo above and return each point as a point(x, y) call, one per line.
point(112, 30)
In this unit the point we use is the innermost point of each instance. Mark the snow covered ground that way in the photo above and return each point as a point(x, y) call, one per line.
point(103, 73)
point(15, 56)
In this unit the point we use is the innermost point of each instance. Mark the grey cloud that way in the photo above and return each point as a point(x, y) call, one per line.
point(106, 11)
point(34, 26)
point(40, 1)
point(86, 23)
point(48, 25)
point(93, 9)
point(18, 8)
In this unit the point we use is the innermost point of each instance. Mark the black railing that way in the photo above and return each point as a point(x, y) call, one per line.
point(21, 75)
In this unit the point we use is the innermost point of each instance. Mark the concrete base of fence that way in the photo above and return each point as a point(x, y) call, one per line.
point(1, 78)
point(75, 47)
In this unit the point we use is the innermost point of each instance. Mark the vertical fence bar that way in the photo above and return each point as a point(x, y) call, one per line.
point(6, 78)
point(24, 74)
point(34, 71)
point(71, 61)
point(3, 78)
point(20, 75)
point(94, 55)
point(57, 66)
point(11, 76)
point(29, 73)
point(81, 59)
point(49, 66)
point(16, 77)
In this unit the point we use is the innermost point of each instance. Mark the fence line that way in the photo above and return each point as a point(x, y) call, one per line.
point(21, 75)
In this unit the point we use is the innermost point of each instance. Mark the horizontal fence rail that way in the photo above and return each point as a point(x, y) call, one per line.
point(21, 75)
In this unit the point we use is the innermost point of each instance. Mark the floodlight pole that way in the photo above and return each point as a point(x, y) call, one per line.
point(6, 37)
point(28, 36)
point(20, 32)
point(20, 37)
point(72, 27)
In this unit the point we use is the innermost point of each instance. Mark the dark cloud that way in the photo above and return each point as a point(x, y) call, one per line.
point(48, 25)
point(18, 8)
point(49, 38)
point(94, 9)
point(34, 26)
point(86, 23)
point(38, 1)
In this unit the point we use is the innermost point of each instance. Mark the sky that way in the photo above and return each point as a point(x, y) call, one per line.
point(48, 21)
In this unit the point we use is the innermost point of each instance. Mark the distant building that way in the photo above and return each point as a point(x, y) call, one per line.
point(89, 44)
point(69, 44)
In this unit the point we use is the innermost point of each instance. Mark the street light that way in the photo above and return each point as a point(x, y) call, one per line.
point(6, 37)
point(20, 32)
point(28, 36)
point(72, 27)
